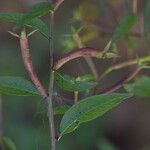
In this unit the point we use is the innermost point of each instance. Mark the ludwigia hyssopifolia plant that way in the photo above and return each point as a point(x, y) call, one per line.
point(96, 103)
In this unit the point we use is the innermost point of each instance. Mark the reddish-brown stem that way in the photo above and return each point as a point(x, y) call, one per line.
point(24, 44)
point(82, 52)
point(120, 83)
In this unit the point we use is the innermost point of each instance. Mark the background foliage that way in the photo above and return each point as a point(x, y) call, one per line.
point(25, 122)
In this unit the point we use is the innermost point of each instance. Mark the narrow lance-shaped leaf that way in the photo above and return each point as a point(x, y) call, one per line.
point(35, 23)
point(12, 17)
point(40, 26)
point(59, 110)
point(8, 144)
point(130, 41)
point(66, 83)
point(124, 27)
point(89, 109)
point(141, 87)
point(17, 86)
point(37, 10)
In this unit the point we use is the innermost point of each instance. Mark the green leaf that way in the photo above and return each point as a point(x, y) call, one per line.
point(130, 41)
point(85, 78)
point(89, 109)
point(8, 144)
point(124, 26)
point(37, 10)
point(13, 17)
point(60, 110)
point(17, 86)
point(35, 23)
point(141, 87)
point(66, 83)
point(39, 25)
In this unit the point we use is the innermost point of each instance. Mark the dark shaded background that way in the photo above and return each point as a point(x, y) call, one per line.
point(126, 127)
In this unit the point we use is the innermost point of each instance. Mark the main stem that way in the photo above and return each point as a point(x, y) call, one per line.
point(51, 84)
point(31, 71)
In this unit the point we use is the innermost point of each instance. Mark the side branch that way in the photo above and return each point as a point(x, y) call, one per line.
point(82, 52)
point(57, 3)
point(144, 59)
point(24, 44)
point(88, 60)
point(120, 83)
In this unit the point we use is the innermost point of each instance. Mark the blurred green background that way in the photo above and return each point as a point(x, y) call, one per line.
point(126, 127)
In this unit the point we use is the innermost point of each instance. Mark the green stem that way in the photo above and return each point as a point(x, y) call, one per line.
point(76, 95)
point(125, 64)
point(88, 60)
point(51, 84)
